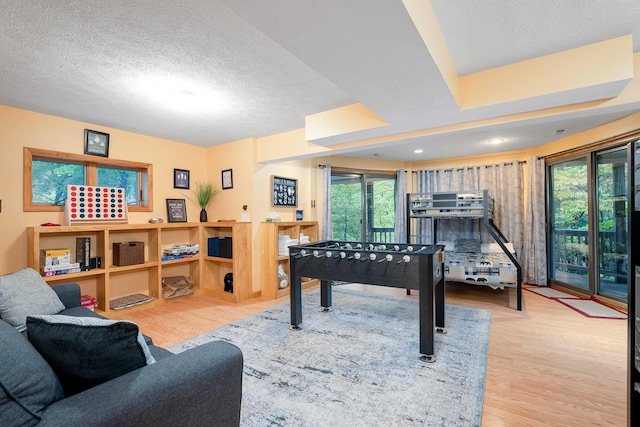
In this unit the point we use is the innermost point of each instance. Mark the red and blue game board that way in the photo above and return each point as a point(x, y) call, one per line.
point(88, 204)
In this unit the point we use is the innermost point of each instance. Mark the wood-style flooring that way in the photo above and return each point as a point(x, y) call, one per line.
point(548, 365)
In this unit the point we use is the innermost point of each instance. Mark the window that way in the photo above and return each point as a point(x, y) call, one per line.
point(122, 178)
point(363, 206)
point(47, 174)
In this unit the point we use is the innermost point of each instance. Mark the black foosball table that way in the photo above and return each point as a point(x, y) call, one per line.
point(419, 267)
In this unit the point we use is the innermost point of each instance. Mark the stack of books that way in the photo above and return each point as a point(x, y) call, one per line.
point(185, 250)
point(57, 261)
point(89, 302)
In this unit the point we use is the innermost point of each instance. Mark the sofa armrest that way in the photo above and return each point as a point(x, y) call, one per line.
point(200, 386)
point(69, 294)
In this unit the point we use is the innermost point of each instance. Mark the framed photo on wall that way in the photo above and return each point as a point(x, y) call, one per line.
point(96, 143)
point(181, 178)
point(176, 210)
point(227, 179)
point(284, 191)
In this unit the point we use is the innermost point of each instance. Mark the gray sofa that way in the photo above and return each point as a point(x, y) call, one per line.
point(199, 387)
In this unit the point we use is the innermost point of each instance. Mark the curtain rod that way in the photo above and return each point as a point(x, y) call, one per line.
point(613, 140)
point(341, 169)
point(478, 166)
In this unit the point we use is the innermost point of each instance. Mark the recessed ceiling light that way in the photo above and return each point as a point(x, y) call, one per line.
point(496, 141)
point(418, 150)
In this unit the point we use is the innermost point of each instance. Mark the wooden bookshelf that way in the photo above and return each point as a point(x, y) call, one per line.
point(111, 281)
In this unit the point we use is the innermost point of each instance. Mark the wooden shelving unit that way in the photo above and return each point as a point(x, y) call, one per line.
point(215, 268)
point(111, 281)
point(270, 259)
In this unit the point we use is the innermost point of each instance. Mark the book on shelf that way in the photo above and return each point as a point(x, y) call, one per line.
point(51, 257)
point(83, 252)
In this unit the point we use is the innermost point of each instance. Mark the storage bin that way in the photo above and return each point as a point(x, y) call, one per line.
point(128, 253)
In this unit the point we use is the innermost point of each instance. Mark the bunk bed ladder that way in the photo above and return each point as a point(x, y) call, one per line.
point(500, 239)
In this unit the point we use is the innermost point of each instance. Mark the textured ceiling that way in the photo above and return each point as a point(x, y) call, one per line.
point(250, 68)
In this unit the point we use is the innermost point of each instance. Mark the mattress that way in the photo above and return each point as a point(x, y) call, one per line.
point(494, 269)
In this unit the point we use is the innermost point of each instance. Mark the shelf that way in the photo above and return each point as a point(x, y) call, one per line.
point(132, 267)
point(271, 259)
point(219, 259)
point(70, 276)
point(180, 261)
point(112, 281)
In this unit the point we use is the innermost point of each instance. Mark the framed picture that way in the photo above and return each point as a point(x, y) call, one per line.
point(284, 191)
point(176, 210)
point(227, 179)
point(96, 143)
point(181, 178)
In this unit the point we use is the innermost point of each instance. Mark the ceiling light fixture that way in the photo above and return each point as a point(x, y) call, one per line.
point(418, 150)
point(496, 141)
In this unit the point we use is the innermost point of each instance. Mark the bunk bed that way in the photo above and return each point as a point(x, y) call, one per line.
point(491, 264)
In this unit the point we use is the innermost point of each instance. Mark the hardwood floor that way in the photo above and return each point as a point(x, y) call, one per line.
point(547, 365)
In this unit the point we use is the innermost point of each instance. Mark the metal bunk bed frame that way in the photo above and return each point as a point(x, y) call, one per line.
point(449, 205)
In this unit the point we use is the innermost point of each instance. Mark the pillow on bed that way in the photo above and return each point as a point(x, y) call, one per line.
point(448, 245)
point(494, 248)
point(467, 245)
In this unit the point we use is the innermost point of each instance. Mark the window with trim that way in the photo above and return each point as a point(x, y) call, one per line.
point(47, 174)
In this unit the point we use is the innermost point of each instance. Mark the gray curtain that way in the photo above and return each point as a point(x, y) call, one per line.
point(327, 226)
point(504, 183)
point(534, 255)
point(400, 233)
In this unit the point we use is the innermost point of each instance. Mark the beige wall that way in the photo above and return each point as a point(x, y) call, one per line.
point(22, 128)
point(251, 178)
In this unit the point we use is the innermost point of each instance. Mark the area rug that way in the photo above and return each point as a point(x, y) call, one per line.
point(592, 308)
point(358, 365)
point(550, 293)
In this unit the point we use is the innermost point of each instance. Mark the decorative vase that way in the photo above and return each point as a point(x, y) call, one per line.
point(203, 215)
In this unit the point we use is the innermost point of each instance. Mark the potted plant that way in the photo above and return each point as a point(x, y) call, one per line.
point(204, 193)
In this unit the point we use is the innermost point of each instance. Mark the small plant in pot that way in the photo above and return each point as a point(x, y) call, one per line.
point(204, 193)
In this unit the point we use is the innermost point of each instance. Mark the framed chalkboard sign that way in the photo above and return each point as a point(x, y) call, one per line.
point(284, 191)
point(176, 210)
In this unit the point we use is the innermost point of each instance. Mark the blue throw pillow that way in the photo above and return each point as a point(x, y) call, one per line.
point(28, 385)
point(86, 351)
point(24, 293)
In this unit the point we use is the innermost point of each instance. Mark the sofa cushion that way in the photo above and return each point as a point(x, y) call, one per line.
point(86, 351)
point(24, 293)
point(28, 385)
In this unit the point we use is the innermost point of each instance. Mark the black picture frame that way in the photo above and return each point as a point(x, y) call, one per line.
point(181, 178)
point(227, 179)
point(96, 143)
point(284, 191)
point(176, 210)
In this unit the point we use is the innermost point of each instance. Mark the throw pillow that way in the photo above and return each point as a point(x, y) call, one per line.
point(28, 385)
point(86, 351)
point(467, 245)
point(24, 293)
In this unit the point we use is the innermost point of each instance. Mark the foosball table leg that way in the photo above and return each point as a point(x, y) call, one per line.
point(427, 358)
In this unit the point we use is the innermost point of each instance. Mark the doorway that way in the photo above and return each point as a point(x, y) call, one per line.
point(588, 227)
point(363, 206)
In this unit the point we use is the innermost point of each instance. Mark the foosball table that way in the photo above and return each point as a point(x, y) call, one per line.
point(417, 267)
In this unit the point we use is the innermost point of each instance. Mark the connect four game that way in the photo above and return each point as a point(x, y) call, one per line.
point(87, 204)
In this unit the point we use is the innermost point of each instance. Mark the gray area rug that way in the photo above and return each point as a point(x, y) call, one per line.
point(357, 365)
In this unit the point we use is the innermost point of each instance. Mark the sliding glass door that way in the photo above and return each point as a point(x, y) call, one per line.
point(588, 229)
point(569, 222)
point(363, 206)
point(612, 211)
